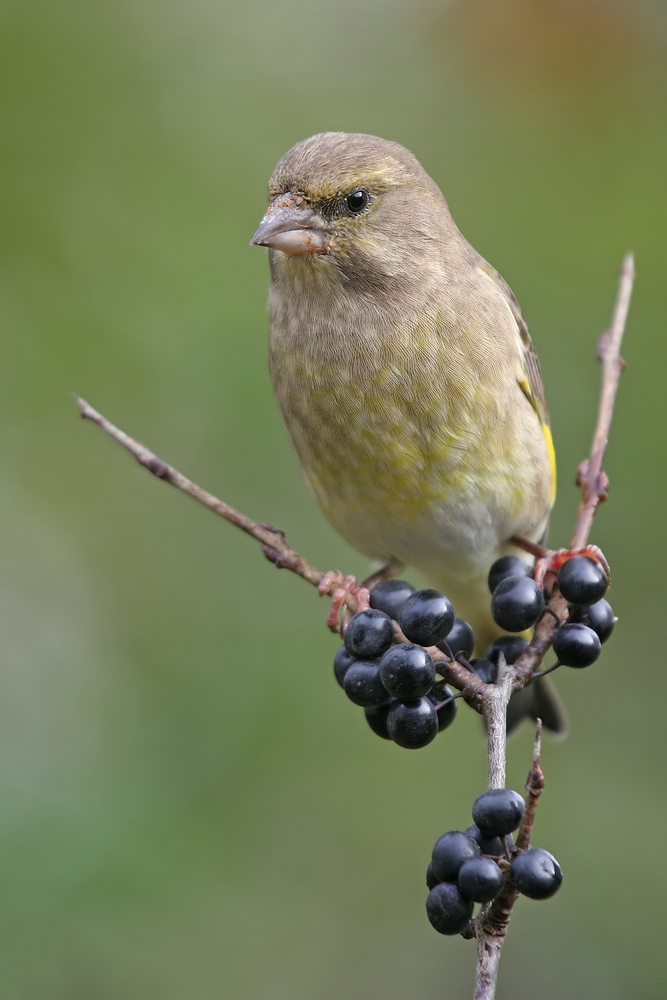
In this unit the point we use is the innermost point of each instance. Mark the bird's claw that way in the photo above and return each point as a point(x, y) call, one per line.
point(551, 561)
point(344, 586)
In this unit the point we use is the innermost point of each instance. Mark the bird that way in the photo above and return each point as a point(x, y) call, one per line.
point(405, 374)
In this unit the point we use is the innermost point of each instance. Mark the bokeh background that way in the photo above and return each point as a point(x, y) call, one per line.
point(190, 808)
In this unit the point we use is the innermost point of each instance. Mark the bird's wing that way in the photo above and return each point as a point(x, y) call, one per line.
point(530, 382)
point(532, 385)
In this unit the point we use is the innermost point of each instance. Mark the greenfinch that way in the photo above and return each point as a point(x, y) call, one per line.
point(405, 373)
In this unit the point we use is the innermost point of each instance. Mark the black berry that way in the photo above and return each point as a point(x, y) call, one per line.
point(369, 634)
point(480, 879)
point(342, 662)
point(507, 566)
point(511, 646)
point(446, 705)
point(498, 811)
point(460, 639)
point(582, 581)
point(390, 596)
point(448, 911)
point(431, 880)
point(450, 852)
point(488, 845)
point(412, 724)
point(536, 873)
point(407, 671)
point(426, 617)
point(517, 603)
point(377, 720)
point(486, 669)
point(576, 645)
point(599, 617)
point(363, 685)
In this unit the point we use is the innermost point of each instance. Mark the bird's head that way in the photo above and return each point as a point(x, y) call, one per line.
point(356, 206)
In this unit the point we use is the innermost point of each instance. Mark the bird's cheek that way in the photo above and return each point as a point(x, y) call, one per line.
point(347, 249)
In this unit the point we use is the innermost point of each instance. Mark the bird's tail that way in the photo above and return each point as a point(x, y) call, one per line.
point(538, 700)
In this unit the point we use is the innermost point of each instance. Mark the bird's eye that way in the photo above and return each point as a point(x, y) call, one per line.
point(357, 201)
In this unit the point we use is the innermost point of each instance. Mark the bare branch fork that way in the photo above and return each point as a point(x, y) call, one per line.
point(490, 700)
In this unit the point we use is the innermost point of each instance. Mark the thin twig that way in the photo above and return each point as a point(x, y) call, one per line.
point(591, 478)
point(534, 788)
point(272, 540)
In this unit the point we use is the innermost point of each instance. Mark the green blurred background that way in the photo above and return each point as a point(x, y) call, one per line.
point(190, 808)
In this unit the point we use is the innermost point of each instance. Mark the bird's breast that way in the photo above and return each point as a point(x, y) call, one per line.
point(399, 429)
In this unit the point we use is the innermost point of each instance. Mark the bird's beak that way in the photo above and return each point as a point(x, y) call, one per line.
point(290, 227)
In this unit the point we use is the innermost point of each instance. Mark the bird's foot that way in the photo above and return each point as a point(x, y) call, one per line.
point(549, 561)
point(384, 572)
point(552, 561)
point(344, 585)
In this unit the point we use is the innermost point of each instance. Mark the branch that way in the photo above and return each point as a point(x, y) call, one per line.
point(272, 540)
point(491, 925)
point(591, 478)
point(534, 788)
point(273, 543)
point(496, 917)
point(495, 701)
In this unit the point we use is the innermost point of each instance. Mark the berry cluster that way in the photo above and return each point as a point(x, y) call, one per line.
point(396, 683)
point(475, 865)
point(517, 603)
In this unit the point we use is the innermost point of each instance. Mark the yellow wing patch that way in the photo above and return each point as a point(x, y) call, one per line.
point(546, 430)
point(531, 381)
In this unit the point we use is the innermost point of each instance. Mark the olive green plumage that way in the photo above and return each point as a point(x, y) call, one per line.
point(402, 367)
